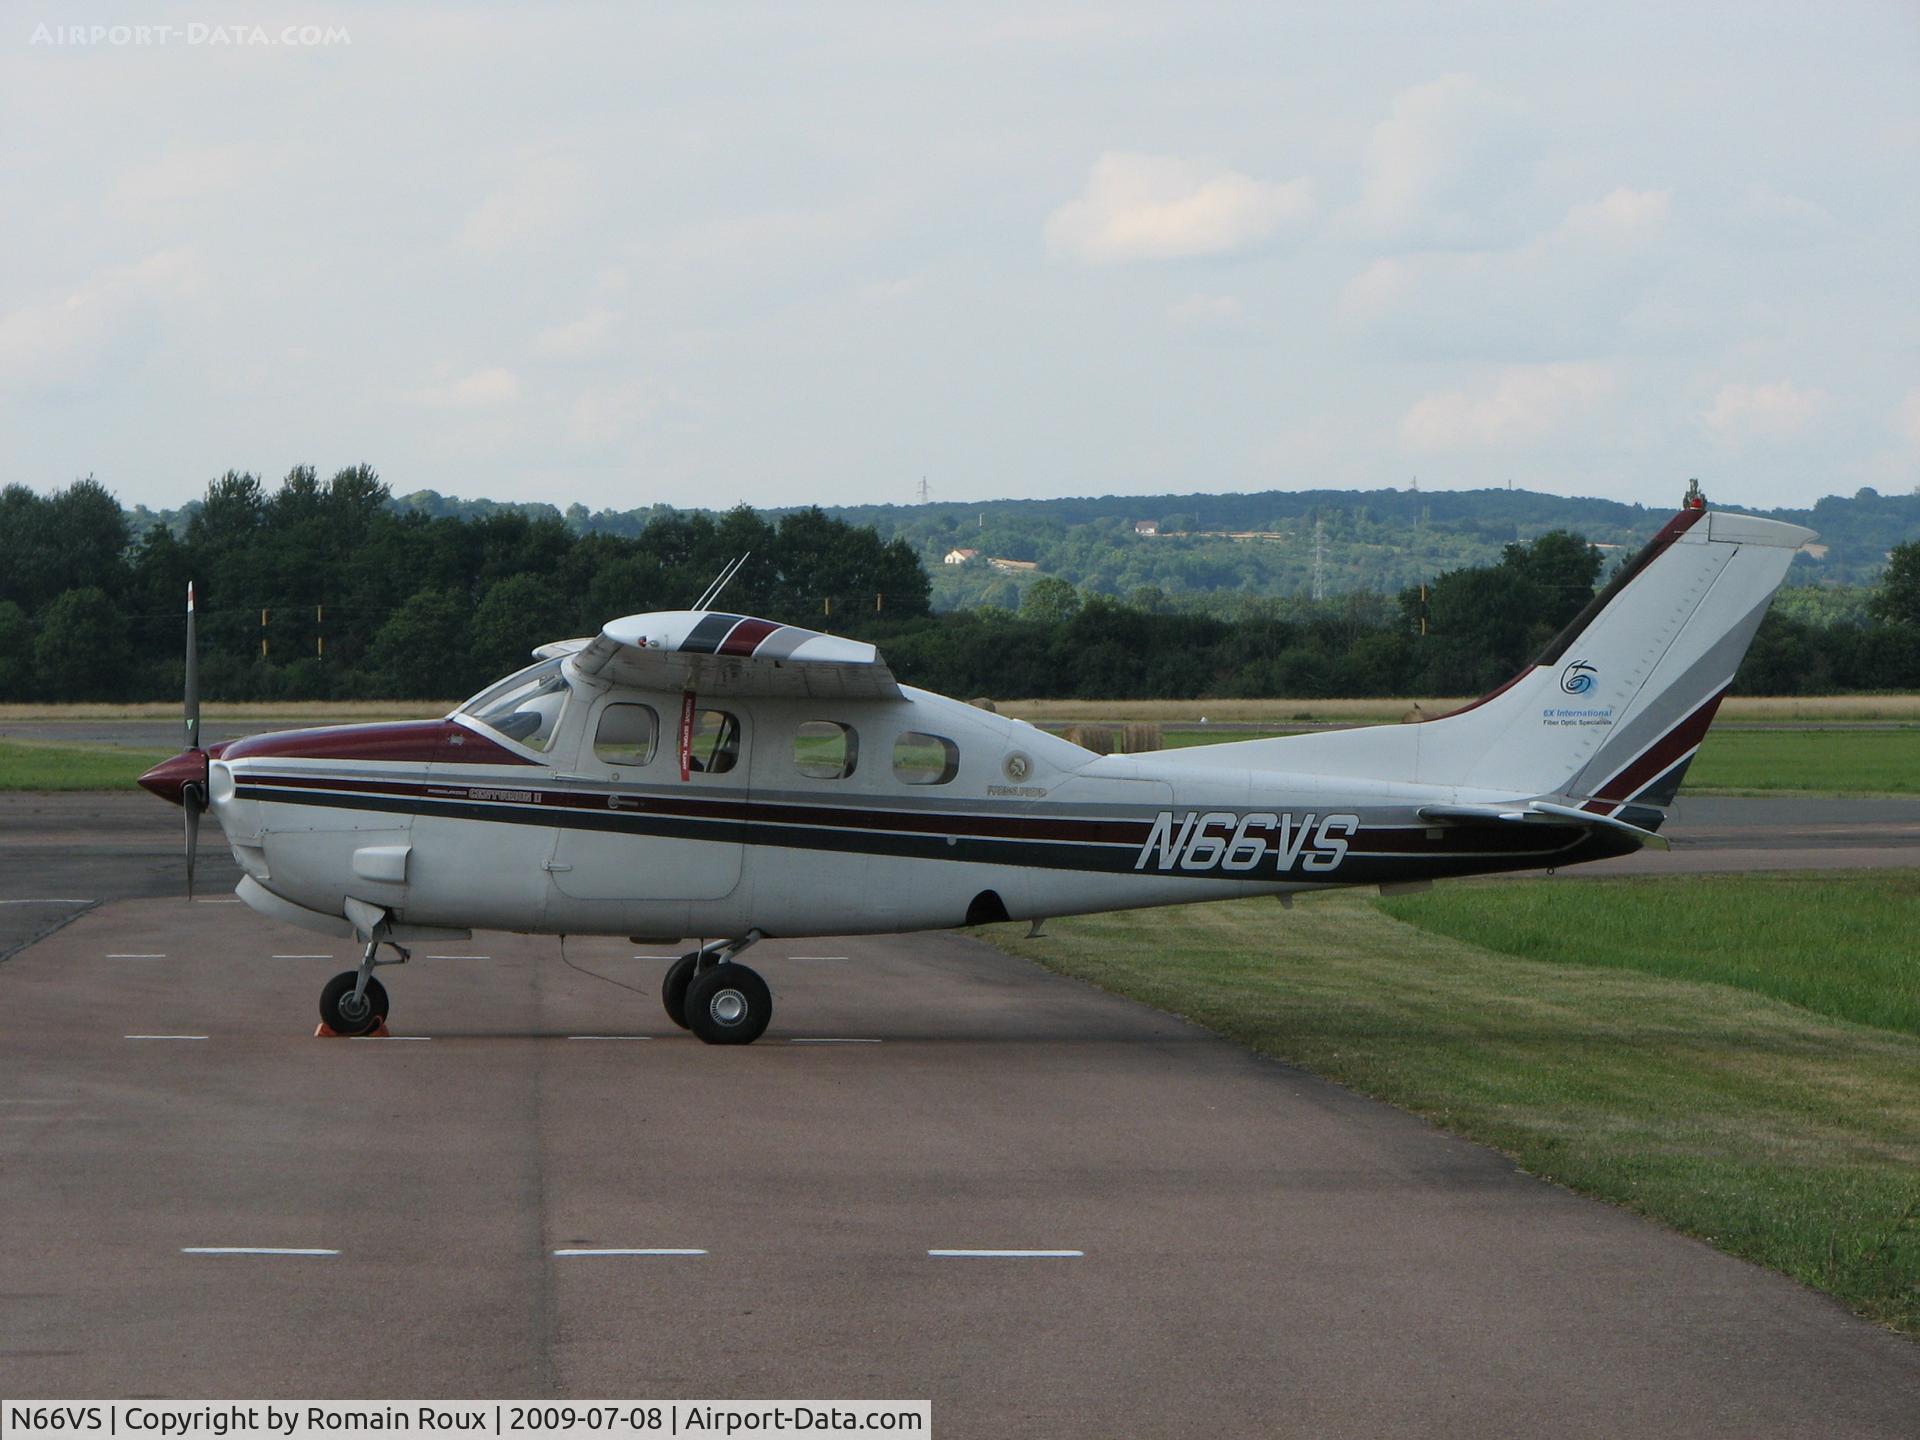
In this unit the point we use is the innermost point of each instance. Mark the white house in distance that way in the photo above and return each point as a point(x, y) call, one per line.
point(960, 557)
point(1146, 527)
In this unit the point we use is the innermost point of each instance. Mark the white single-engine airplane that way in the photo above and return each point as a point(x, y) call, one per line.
point(700, 773)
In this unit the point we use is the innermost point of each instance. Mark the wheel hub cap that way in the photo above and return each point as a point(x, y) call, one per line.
point(729, 1007)
point(353, 1007)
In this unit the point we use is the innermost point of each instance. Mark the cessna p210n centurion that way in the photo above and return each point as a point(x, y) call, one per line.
point(708, 774)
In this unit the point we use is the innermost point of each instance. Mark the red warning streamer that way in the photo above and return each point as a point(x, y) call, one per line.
point(686, 734)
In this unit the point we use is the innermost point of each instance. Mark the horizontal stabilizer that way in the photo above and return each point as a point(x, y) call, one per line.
point(1541, 812)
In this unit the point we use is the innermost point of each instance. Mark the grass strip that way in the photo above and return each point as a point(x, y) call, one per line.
point(1826, 762)
point(1838, 945)
point(1780, 1136)
point(33, 766)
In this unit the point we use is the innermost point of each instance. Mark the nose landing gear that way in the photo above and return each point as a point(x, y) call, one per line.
point(716, 997)
point(353, 1002)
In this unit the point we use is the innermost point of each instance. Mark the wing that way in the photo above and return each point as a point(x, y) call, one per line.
point(720, 654)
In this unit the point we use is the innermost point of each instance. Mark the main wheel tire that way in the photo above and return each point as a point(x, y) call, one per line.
point(673, 989)
point(341, 1013)
point(729, 1005)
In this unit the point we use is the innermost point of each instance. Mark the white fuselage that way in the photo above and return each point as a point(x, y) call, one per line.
point(452, 825)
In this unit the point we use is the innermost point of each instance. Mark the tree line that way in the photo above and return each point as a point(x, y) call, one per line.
point(322, 589)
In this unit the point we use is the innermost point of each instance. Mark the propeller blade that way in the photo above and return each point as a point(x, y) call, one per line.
point(193, 678)
point(191, 807)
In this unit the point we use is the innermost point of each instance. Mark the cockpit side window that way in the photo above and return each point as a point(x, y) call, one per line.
point(525, 707)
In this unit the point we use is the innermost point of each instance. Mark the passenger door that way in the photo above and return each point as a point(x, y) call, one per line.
point(632, 829)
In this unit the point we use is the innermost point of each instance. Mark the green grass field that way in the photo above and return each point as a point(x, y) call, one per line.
point(1825, 762)
point(33, 766)
point(1849, 957)
point(1679, 1087)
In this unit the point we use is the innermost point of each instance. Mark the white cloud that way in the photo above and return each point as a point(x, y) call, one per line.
point(1524, 405)
point(1622, 220)
point(187, 175)
point(1156, 207)
point(608, 414)
point(482, 390)
point(1206, 312)
point(1376, 291)
point(888, 292)
point(583, 339)
point(1569, 288)
point(1447, 152)
point(543, 194)
point(59, 340)
point(1906, 418)
point(1778, 410)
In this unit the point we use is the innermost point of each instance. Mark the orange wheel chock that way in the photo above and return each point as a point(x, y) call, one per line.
point(324, 1031)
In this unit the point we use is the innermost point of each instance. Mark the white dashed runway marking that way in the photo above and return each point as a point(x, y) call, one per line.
point(609, 1037)
point(251, 1250)
point(457, 957)
point(165, 1037)
point(303, 957)
point(600, 1254)
point(137, 957)
point(1006, 1254)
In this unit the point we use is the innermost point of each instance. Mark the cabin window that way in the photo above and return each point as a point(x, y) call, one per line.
point(626, 735)
point(825, 750)
point(922, 759)
point(716, 742)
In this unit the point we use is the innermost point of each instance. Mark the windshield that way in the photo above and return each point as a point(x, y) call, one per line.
point(524, 707)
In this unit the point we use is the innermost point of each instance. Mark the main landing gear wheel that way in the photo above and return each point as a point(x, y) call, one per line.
point(728, 1004)
point(345, 1013)
point(673, 989)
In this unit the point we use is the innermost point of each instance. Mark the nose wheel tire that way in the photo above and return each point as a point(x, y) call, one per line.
point(673, 989)
point(344, 1013)
point(728, 1004)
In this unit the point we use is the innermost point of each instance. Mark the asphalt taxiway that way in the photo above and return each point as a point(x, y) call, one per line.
point(519, 1195)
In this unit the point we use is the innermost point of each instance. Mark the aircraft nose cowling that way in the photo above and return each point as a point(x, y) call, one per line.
point(170, 777)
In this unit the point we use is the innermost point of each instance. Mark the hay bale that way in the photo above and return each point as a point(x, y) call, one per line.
point(1097, 738)
point(1143, 736)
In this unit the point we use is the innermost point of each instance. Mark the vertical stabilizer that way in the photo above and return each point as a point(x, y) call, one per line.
point(1614, 709)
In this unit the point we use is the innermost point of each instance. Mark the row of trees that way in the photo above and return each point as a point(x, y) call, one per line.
point(323, 589)
point(320, 589)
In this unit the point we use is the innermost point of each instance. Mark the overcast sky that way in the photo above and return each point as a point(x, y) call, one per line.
point(709, 253)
